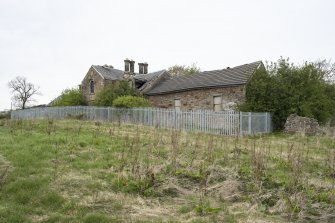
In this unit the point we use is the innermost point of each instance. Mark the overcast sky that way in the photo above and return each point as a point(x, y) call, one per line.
point(54, 43)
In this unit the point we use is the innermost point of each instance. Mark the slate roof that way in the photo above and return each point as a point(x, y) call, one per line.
point(208, 79)
point(109, 73)
point(149, 76)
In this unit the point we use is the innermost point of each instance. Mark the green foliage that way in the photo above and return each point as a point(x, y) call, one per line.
point(189, 174)
point(130, 102)
point(205, 208)
point(285, 89)
point(5, 115)
point(97, 218)
point(179, 70)
point(106, 96)
point(52, 200)
point(185, 209)
point(70, 97)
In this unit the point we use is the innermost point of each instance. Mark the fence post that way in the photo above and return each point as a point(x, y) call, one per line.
point(249, 123)
point(266, 123)
point(108, 114)
point(175, 118)
point(241, 125)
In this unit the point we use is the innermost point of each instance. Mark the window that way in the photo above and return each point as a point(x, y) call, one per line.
point(91, 86)
point(177, 104)
point(217, 102)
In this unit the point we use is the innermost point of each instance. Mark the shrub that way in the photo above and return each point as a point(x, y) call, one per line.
point(5, 115)
point(130, 102)
point(284, 88)
point(106, 96)
point(70, 97)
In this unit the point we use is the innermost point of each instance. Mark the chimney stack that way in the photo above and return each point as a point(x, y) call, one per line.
point(142, 68)
point(145, 65)
point(132, 66)
point(126, 65)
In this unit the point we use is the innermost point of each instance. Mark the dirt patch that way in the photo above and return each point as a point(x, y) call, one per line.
point(227, 190)
point(320, 183)
point(138, 212)
point(171, 188)
point(39, 218)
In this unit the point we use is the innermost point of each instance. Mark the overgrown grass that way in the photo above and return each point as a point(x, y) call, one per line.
point(78, 171)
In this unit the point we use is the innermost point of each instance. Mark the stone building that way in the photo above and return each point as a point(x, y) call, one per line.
point(99, 77)
point(209, 90)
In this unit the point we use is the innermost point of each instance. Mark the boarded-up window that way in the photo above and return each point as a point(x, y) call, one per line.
point(217, 101)
point(177, 104)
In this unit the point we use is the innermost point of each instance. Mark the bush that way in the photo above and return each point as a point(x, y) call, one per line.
point(5, 115)
point(284, 88)
point(106, 96)
point(130, 102)
point(70, 97)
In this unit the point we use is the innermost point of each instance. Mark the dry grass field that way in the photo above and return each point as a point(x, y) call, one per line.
point(78, 171)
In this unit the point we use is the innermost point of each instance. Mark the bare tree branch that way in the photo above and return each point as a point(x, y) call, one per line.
point(327, 68)
point(23, 91)
point(180, 70)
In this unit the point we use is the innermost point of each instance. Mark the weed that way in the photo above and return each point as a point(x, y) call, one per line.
point(99, 218)
point(3, 175)
point(136, 173)
point(205, 208)
point(185, 209)
point(175, 147)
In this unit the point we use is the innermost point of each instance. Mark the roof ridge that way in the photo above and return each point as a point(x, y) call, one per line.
point(102, 66)
point(159, 71)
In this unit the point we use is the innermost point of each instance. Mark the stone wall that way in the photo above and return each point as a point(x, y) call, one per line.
point(298, 124)
point(201, 99)
point(99, 84)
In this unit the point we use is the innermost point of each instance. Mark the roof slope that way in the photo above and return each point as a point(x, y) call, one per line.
point(152, 80)
point(208, 79)
point(149, 76)
point(109, 73)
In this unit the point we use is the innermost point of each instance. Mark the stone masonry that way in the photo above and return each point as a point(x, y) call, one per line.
point(298, 124)
point(99, 84)
point(201, 99)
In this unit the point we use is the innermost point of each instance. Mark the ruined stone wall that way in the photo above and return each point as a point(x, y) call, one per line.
point(201, 99)
point(298, 124)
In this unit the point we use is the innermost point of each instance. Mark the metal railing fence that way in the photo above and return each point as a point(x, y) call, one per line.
point(223, 123)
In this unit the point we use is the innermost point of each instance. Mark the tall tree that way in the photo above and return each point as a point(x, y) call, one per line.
point(180, 70)
point(22, 91)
